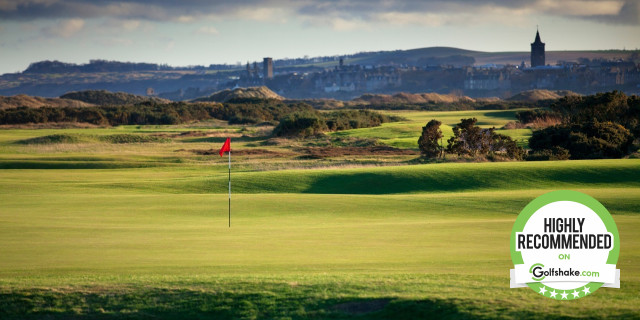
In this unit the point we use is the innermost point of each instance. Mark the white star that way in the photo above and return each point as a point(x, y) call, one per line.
point(576, 294)
point(543, 290)
point(586, 290)
point(553, 293)
point(564, 294)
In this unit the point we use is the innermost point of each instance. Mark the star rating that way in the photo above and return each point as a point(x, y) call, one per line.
point(563, 294)
point(543, 290)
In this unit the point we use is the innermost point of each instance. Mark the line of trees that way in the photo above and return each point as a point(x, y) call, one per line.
point(605, 125)
point(310, 123)
point(292, 119)
point(93, 66)
point(150, 113)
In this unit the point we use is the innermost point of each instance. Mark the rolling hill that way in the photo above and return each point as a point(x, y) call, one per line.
point(441, 54)
point(538, 95)
point(262, 93)
point(52, 79)
point(103, 97)
point(410, 98)
point(38, 102)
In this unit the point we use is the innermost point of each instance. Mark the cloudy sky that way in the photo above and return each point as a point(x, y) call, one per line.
point(201, 32)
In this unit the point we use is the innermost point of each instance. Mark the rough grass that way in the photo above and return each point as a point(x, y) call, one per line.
point(51, 139)
point(131, 138)
point(310, 297)
point(77, 138)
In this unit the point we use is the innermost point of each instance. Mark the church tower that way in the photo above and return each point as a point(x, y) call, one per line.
point(537, 52)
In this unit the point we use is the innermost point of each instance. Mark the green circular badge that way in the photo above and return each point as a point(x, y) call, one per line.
point(565, 246)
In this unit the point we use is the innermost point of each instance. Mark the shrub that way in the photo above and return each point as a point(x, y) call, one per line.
point(428, 141)
point(612, 106)
point(300, 124)
point(557, 153)
point(130, 138)
point(468, 139)
point(354, 119)
point(538, 118)
point(590, 140)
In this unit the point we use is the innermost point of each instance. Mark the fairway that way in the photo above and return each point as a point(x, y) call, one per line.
point(139, 230)
point(404, 134)
point(447, 247)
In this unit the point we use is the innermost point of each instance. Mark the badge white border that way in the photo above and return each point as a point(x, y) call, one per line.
point(603, 214)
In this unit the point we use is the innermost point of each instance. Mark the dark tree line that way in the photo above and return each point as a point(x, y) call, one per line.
point(153, 113)
point(92, 66)
point(292, 119)
point(309, 123)
point(604, 125)
point(103, 97)
point(587, 140)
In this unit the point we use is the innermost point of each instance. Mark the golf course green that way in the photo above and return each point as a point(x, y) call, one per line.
point(96, 229)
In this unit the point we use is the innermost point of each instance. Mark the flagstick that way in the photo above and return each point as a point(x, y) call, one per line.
point(229, 188)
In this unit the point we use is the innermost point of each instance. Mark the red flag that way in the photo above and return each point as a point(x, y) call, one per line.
point(226, 147)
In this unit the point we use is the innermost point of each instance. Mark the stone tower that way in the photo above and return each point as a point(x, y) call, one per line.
point(537, 52)
point(267, 68)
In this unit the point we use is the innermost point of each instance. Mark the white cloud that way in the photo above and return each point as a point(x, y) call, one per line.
point(264, 14)
point(580, 7)
point(185, 18)
point(340, 24)
point(117, 42)
point(338, 14)
point(64, 28)
point(130, 25)
point(117, 25)
point(405, 18)
point(337, 23)
point(170, 45)
point(207, 31)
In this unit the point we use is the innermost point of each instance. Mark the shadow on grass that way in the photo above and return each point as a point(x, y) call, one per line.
point(191, 304)
point(464, 179)
point(40, 164)
point(508, 114)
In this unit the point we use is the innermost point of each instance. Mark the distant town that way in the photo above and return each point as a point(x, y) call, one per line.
point(437, 69)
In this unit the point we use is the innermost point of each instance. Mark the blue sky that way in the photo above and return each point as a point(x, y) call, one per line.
point(197, 32)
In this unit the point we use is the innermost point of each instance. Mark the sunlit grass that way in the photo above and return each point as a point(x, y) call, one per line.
point(405, 134)
point(140, 230)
